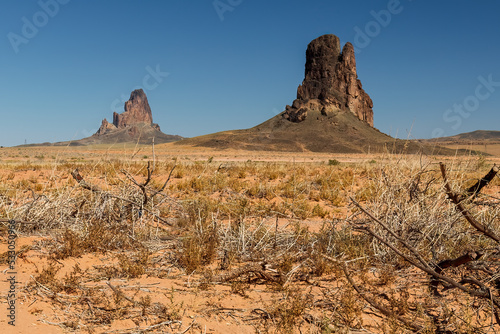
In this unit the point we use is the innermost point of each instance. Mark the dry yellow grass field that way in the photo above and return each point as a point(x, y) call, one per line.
point(489, 148)
point(211, 241)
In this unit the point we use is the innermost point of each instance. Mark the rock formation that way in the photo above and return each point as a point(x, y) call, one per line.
point(332, 113)
point(135, 124)
point(137, 112)
point(331, 83)
point(105, 127)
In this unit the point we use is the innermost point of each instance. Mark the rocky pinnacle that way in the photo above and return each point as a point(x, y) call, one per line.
point(330, 83)
point(137, 112)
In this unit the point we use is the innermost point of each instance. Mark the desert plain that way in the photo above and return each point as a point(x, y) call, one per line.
point(175, 239)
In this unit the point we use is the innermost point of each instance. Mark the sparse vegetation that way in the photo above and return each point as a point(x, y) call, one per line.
point(302, 247)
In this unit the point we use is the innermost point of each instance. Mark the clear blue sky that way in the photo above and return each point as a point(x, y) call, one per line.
point(237, 66)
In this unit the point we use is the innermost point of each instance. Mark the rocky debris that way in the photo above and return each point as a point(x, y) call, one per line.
point(295, 115)
point(331, 82)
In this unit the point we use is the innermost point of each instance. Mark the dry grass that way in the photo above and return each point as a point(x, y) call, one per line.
point(275, 236)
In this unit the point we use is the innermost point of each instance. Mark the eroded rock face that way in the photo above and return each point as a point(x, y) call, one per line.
point(332, 80)
point(137, 110)
point(105, 127)
point(136, 115)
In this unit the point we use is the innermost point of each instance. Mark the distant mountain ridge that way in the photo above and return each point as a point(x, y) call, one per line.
point(478, 135)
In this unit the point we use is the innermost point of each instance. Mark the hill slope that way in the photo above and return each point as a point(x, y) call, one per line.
point(468, 137)
point(340, 132)
point(332, 113)
point(139, 133)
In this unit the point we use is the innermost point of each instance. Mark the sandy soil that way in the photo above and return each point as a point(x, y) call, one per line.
point(195, 307)
point(213, 309)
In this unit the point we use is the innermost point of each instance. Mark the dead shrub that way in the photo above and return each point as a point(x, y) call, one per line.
point(288, 311)
point(199, 247)
point(133, 266)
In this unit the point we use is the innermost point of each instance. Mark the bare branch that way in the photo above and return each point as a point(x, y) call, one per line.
point(165, 184)
point(469, 257)
point(422, 266)
point(408, 246)
point(457, 201)
point(385, 311)
point(253, 268)
point(120, 293)
point(76, 175)
point(476, 188)
point(143, 185)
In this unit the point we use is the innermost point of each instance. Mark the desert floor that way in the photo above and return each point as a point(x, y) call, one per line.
point(230, 241)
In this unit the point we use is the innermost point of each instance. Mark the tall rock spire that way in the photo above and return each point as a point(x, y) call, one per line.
point(137, 110)
point(330, 82)
point(137, 113)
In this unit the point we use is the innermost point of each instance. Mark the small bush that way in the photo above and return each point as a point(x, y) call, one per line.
point(318, 211)
point(288, 311)
point(199, 248)
point(132, 267)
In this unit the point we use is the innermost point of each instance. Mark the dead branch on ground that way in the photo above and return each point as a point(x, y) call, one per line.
point(474, 190)
point(456, 199)
point(76, 175)
point(470, 281)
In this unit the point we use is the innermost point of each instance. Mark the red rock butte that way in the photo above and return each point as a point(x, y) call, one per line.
point(332, 113)
point(135, 124)
point(137, 112)
point(331, 82)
